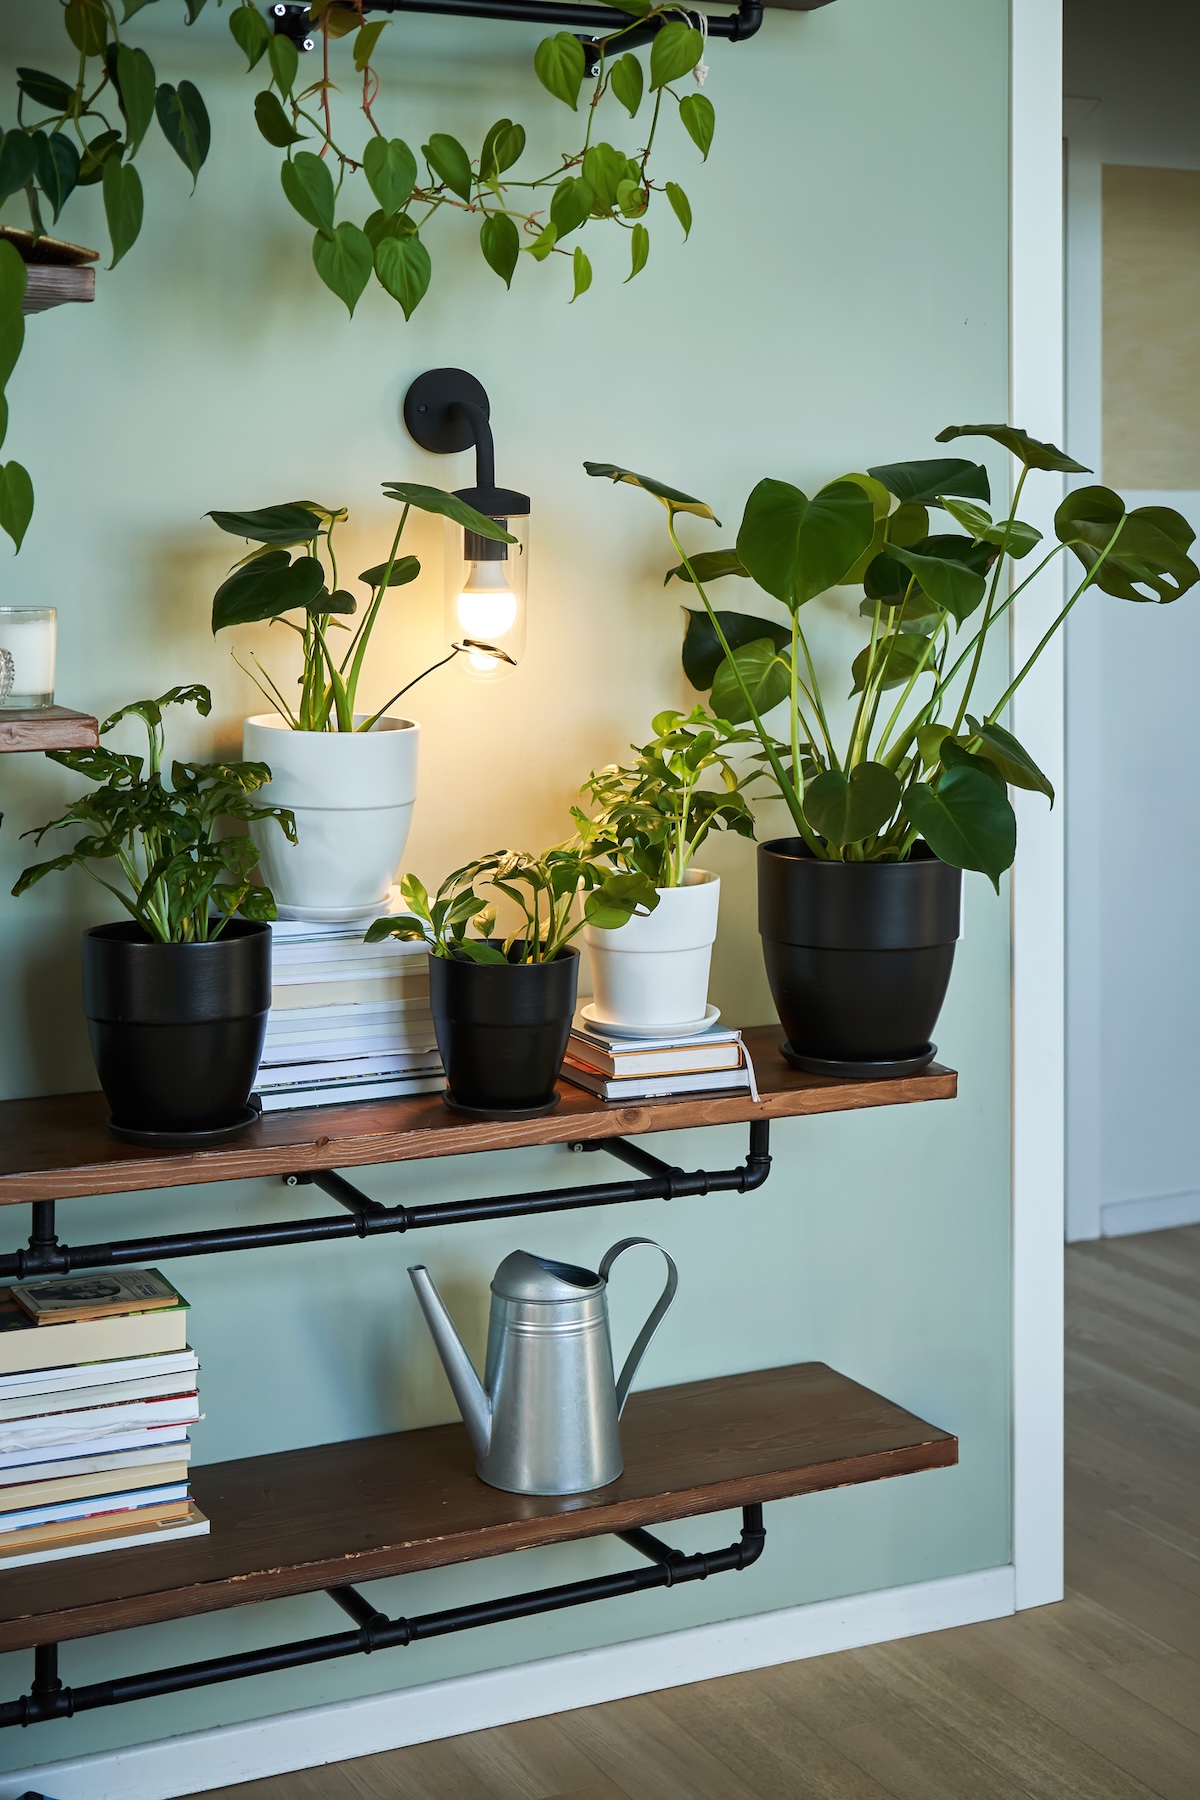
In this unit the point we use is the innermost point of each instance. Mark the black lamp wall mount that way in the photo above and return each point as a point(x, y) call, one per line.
point(447, 411)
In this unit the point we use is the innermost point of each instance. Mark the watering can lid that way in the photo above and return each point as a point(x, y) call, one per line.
point(523, 1276)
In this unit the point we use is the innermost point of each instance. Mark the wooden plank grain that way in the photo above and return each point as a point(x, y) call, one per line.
point(58, 1147)
point(46, 728)
point(303, 1520)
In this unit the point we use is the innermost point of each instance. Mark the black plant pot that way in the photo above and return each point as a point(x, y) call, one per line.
point(502, 1030)
point(177, 1029)
point(858, 956)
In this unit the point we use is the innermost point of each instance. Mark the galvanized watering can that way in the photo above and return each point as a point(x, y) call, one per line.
point(544, 1418)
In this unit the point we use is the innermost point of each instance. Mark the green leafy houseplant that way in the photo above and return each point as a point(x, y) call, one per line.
point(270, 584)
point(544, 889)
point(182, 882)
point(923, 759)
point(653, 815)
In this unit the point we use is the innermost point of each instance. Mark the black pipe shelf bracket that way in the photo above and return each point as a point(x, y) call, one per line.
point(48, 1697)
point(364, 1217)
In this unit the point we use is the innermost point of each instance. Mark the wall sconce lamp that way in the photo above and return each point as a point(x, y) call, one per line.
point(447, 411)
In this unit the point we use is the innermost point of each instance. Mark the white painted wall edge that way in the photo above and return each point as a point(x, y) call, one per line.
point(1038, 914)
point(1152, 1212)
point(325, 1734)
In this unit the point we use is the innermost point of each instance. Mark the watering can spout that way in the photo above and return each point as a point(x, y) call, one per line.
point(468, 1389)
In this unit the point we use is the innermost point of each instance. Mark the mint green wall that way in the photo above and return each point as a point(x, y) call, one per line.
point(842, 298)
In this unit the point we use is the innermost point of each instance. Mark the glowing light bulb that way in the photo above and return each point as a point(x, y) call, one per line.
point(487, 606)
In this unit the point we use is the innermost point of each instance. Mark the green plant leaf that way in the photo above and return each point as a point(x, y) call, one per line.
point(16, 501)
point(603, 170)
point(402, 266)
point(924, 482)
point(702, 651)
point(501, 245)
point(1011, 758)
point(266, 588)
point(904, 657)
point(379, 225)
point(18, 163)
point(632, 198)
point(709, 565)
point(680, 206)
point(845, 809)
point(571, 205)
point(391, 170)
point(250, 32)
point(365, 41)
point(627, 82)
point(309, 188)
point(1022, 538)
point(1149, 553)
point(967, 822)
point(670, 497)
point(559, 65)
point(951, 585)
point(100, 150)
point(404, 570)
point(675, 50)
point(183, 117)
point(135, 84)
point(1031, 451)
point(122, 206)
point(284, 59)
point(543, 244)
point(344, 262)
point(86, 26)
point(917, 615)
point(57, 167)
point(45, 90)
point(796, 548)
point(289, 524)
point(640, 249)
point(449, 162)
point(273, 122)
point(699, 121)
point(583, 274)
point(447, 506)
point(501, 148)
point(766, 672)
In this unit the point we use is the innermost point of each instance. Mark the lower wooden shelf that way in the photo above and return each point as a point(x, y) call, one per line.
point(47, 727)
point(306, 1520)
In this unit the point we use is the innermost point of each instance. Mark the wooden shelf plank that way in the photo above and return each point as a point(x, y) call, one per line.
point(309, 1519)
point(46, 728)
point(56, 284)
point(58, 1148)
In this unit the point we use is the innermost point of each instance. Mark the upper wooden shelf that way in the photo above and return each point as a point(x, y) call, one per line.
point(58, 1148)
point(47, 728)
point(54, 285)
point(304, 1520)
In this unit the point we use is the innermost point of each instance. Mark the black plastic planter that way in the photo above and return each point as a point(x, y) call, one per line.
point(177, 1029)
point(858, 956)
point(502, 1030)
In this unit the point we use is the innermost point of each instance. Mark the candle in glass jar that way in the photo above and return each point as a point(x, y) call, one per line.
point(27, 635)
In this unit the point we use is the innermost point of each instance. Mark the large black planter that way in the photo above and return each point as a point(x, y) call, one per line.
point(858, 956)
point(502, 1029)
point(177, 1029)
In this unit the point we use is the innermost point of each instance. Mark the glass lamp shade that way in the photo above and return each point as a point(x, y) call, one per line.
point(485, 598)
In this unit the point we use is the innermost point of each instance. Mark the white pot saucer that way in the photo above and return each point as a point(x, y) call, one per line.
point(335, 915)
point(688, 1028)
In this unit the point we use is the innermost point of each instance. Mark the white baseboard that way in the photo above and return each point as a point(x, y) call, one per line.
point(301, 1740)
point(1159, 1212)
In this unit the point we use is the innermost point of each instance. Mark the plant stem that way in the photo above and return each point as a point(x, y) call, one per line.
point(991, 601)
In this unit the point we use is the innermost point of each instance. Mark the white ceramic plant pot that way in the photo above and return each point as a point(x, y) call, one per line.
point(654, 970)
point(352, 793)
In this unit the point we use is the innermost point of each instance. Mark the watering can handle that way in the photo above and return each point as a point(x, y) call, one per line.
point(657, 1315)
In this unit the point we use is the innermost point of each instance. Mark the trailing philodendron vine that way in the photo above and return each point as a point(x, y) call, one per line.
point(366, 194)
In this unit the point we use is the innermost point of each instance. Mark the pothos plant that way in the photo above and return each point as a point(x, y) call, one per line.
point(653, 814)
point(175, 873)
point(87, 126)
point(922, 757)
point(544, 890)
point(271, 584)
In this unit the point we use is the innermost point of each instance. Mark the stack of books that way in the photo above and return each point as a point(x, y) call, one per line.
point(349, 1020)
point(619, 1067)
point(97, 1390)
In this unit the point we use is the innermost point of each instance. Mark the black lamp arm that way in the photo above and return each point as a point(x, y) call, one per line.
point(481, 434)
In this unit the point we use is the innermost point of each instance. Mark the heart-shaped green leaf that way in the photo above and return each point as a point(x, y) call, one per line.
point(967, 822)
point(184, 120)
point(344, 262)
point(627, 81)
point(45, 90)
point(1011, 758)
point(924, 482)
point(404, 570)
point(675, 50)
point(559, 64)
point(698, 120)
point(292, 523)
point(639, 239)
point(16, 501)
point(284, 59)
point(266, 588)
point(402, 266)
point(796, 548)
point(449, 162)
point(87, 26)
point(136, 87)
point(1017, 538)
point(391, 171)
point(703, 652)
point(1031, 451)
point(582, 271)
point(681, 206)
point(571, 205)
point(604, 169)
point(709, 565)
point(122, 206)
point(501, 148)
point(18, 163)
point(309, 188)
point(365, 41)
point(501, 245)
point(249, 31)
point(273, 123)
point(765, 674)
point(57, 167)
point(845, 809)
point(951, 585)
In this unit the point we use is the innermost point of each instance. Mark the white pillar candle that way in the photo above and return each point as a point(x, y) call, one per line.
point(27, 635)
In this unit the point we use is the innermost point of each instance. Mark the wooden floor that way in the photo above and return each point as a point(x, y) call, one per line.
point(1096, 1699)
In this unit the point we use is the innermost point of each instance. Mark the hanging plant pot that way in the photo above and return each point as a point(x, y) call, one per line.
point(858, 956)
point(352, 793)
point(177, 1029)
point(652, 972)
point(502, 1031)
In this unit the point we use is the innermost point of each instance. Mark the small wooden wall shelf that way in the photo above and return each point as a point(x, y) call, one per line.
point(53, 284)
point(47, 727)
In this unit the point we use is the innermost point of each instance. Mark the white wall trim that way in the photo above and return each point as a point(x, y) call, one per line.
point(325, 1734)
point(1036, 399)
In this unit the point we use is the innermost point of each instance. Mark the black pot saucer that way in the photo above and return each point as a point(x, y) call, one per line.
point(859, 1071)
point(501, 1112)
point(188, 1140)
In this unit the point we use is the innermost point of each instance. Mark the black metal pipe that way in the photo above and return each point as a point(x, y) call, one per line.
point(632, 1154)
point(48, 1699)
point(606, 21)
point(347, 1195)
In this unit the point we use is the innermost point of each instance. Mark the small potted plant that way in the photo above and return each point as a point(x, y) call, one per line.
point(502, 1007)
point(859, 910)
point(651, 973)
point(349, 777)
point(177, 995)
